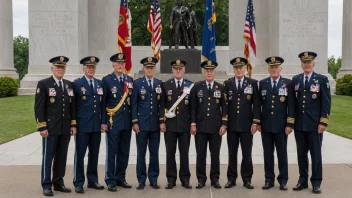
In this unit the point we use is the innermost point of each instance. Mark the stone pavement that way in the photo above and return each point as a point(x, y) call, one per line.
point(27, 150)
point(23, 181)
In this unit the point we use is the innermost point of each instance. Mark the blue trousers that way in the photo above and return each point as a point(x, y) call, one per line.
point(150, 139)
point(117, 155)
point(309, 141)
point(92, 141)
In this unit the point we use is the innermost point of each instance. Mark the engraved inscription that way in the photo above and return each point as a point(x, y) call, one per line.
point(303, 24)
point(57, 24)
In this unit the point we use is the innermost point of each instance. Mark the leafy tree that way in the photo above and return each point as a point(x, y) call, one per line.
point(334, 66)
point(20, 49)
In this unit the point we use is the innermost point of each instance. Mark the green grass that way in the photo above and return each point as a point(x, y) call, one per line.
point(16, 117)
point(341, 115)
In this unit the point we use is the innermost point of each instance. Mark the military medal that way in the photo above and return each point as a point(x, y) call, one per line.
point(128, 101)
point(101, 98)
point(84, 98)
point(217, 101)
point(129, 85)
point(169, 93)
point(114, 95)
point(70, 92)
point(169, 98)
point(100, 91)
point(52, 100)
point(158, 97)
point(314, 96)
point(249, 97)
point(217, 94)
point(130, 91)
point(114, 90)
point(282, 98)
point(158, 90)
point(186, 102)
point(52, 92)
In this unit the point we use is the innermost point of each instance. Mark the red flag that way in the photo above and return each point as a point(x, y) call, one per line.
point(124, 34)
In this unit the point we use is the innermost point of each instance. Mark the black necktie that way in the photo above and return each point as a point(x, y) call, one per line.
point(121, 81)
point(150, 86)
point(274, 87)
point(178, 85)
point(306, 84)
point(209, 87)
point(91, 85)
point(60, 86)
point(239, 85)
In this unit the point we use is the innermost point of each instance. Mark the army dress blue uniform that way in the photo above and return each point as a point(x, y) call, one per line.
point(89, 93)
point(312, 104)
point(118, 137)
point(277, 114)
point(145, 112)
point(55, 111)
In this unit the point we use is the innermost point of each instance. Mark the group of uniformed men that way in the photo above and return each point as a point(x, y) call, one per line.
point(178, 108)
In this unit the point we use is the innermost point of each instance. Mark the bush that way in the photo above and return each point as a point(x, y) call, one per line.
point(344, 85)
point(8, 87)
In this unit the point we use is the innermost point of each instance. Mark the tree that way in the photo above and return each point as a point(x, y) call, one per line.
point(334, 66)
point(20, 51)
point(140, 11)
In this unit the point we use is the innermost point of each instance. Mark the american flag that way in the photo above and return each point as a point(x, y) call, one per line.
point(154, 27)
point(250, 46)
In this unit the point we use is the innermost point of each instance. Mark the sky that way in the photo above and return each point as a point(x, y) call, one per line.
point(20, 23)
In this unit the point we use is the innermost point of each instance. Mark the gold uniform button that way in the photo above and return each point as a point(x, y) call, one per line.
point(124, 108)
point(94, 111)
point(303, 106)
point(239, 94)
point(208, 104)
point(151, 113)
point(95, 106)
point(151, 94)
point(151, 107)
point(63, 115)
point(238, 107)
point(304, 101)
point(272, 106)
point(95, 101)
point(272, 101)
point(63, 109)
point(273, 96)
point(302, 111)
point(63, 105)
point(178, 96)
point(208, 109)
point(272, 113)
point(151, 102)
point(238, 111)
point(208, 114)
point(94, 96)
point(305, 90)
point(178, 112)
point(304, 96)
point(177, 108)
point(238, 99)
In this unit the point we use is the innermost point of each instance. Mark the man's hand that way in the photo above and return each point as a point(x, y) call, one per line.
point(136, 128)
point(193, 130)
point(253, 129)
point(44, 133)
point(163, 127)
point(222, 130)
point(104, 128)
point(288, 130)
point(73, 131)
point(321, 128)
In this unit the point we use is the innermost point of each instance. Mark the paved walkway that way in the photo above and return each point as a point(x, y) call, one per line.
point(27, 150)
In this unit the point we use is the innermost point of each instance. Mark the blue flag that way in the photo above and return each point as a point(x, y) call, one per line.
point(209, 40)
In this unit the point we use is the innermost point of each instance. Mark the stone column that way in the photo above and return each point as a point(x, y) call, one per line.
point(6, 40)
point(237, 16)
point(56, 28)
point(346, 67)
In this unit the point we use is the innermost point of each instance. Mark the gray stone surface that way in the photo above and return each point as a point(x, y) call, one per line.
point(28, 150)
point(22, 181)
point(6, 40)
point(346, 67)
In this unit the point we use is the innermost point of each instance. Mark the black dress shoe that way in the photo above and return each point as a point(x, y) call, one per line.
point(79, 190)
point(48, 192)
point(96, 186)
point(216, 185)
point(283, 187)
point(62, 189)
point(200, 185)
point(230, 184)
point(187, 185)
point(155, 185)
point(299, 187)
point(170, 185)
point(267, 186)
point(124, 185)
point(316, 190)
point(140, 186)
point(248, 185)
point(112, 188)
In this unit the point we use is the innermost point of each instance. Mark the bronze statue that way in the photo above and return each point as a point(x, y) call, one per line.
point(180, 21)
point(192, 30)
